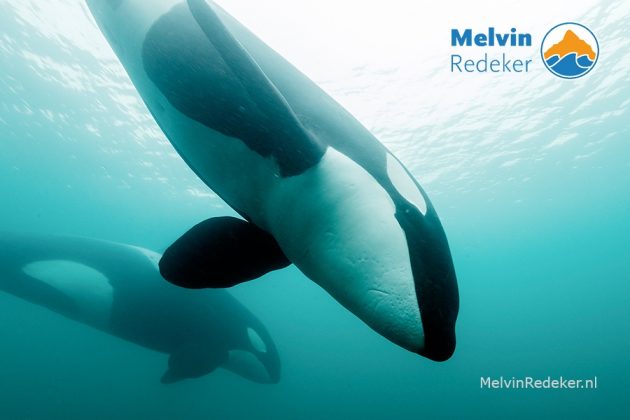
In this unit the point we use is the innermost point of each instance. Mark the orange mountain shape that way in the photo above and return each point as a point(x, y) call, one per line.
point(571, 43)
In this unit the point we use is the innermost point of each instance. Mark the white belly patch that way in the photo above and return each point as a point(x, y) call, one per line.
point(89, 288)
point(338, 225)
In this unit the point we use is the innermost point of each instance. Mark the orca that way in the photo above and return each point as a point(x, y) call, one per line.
point(313, 186)
point(117, 288)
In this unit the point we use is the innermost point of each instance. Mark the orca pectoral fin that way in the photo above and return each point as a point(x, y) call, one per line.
point(271, 110)
point(221, 252)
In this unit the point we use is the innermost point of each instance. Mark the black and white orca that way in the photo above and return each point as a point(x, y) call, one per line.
point(118, 289)
point(313, 186)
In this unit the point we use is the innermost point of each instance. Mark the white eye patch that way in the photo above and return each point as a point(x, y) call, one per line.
point(256, 341)
point(404, 184)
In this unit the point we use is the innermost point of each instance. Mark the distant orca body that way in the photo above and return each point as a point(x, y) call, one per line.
point(118, 289)
point(314, 187)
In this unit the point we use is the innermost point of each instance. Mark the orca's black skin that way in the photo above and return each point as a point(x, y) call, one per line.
point(221, 252)
point(216, 72)
point(426, 237)
point(208, 90)
point(197, 329)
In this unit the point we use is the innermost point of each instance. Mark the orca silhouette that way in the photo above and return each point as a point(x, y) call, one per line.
point(118, 289)
point(312, 185)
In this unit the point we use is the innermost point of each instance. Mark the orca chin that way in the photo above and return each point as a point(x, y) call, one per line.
point(443, 350)
point(252, 367)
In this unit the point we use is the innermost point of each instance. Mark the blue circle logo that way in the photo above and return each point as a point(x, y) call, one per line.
point(570, 50)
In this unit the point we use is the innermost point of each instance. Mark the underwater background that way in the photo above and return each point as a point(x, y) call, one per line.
point(530, 175)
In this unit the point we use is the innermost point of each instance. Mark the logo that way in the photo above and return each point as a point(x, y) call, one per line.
point(471, 45)
point(570, 50)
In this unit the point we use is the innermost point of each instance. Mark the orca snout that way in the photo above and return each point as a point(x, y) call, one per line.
point(434, 280)
point(257, 360)
point(438, 300)
point(442, 345)
point(264, 349)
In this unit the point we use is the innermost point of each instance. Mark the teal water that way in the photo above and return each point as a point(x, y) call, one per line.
point(530, 175)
